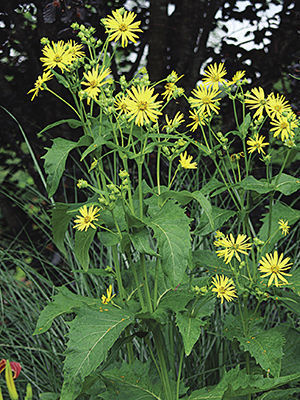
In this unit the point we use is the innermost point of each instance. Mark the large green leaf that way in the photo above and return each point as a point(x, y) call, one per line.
point(137, 381)
point(236, 383)
point(209, 259)
point(266, 346)
point(259, 186)
point(286, 184)
point(171, 229)
point(140, 240)
point(91, 335)
point(55, 160)
point(280, 394)
point(219, 216)
point(60, 220)
point(83, 241)
point(63, 302)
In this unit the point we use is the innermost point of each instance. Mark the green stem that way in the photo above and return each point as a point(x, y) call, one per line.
point(179, 373)
point(118, 272)
point(64, 101)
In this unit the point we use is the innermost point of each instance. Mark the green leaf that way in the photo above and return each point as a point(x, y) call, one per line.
point(211, 186)
point(49, 396)
point(286, 184)
point(91, 335)
point(73, 123)
point(64, 302)
point(189, 325)
point(219, 216)
point(266, 346)
point(133, 381)
point(259, 186)
point(171, 229)
point(60, 220)
point(55, 160)
point(205, 204)
point(109, 239)
point(286, 394)
point(140, 240)
point(98, 142)
point(83, 241)
point(236, 383)
point(209, 259)
point(243, 128)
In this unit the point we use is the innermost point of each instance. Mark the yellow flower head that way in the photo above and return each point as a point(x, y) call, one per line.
point(239, 75)
point(174, 123)
point(205, 99)
point(39, 83)
point(142, 106)
point(106, 299)
point(232, 247)
point(121, 25)
point(85, 220)
point(284, 127)
point(214, 75)
point(256, 100)
point(197, 119)
point(121, 104)
point(75, 49)
point(277, 105)
point(185, 161)
point(56, 55)
point(170, 86)
point(224, 287)
point(256, 143)
point(274, 266)
point(283, 225)
point(95, 79)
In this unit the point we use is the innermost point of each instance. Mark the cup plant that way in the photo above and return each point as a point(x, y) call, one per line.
point(195, 267)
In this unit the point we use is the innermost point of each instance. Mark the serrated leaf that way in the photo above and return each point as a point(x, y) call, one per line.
point(189, 326)
point(140, 240)
point(259, 186)
point(266, 346)
point(171, 229)
point(55, 160)
point(60, 220)
point(133, 381)
point(219, 216)
point(286, 394)
point(83, 241)
point(64, 302)
point(286, 184)
point(91, 335)
point(205, 204)
point(209, 259)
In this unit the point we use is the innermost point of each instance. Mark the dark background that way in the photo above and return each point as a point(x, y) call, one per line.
point(179, 42)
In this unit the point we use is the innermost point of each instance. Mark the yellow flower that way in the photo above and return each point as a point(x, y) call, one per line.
point(231, 247)
point(56, 55)
point(205, 99)
point(170, 86)
point(256, 100)
point(224, 287)
point(106, 299)
point(39, 83)
point(95, 79)
point(142, 106)
point(121, 25)
point(283, 225)
point(185, 161)
point(85, 220)
point(274, 266)
point(174, 123)
point(283, 127)
point(214, 75)
point(277, 105)
point(121, 104)
point(256, 143)
point(75, 49)
point(197, 119)
point(236, 77)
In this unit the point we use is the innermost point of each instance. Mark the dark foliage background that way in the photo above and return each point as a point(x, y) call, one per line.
point(177, 36)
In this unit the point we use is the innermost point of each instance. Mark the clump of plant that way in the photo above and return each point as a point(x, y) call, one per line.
point(193, 272)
